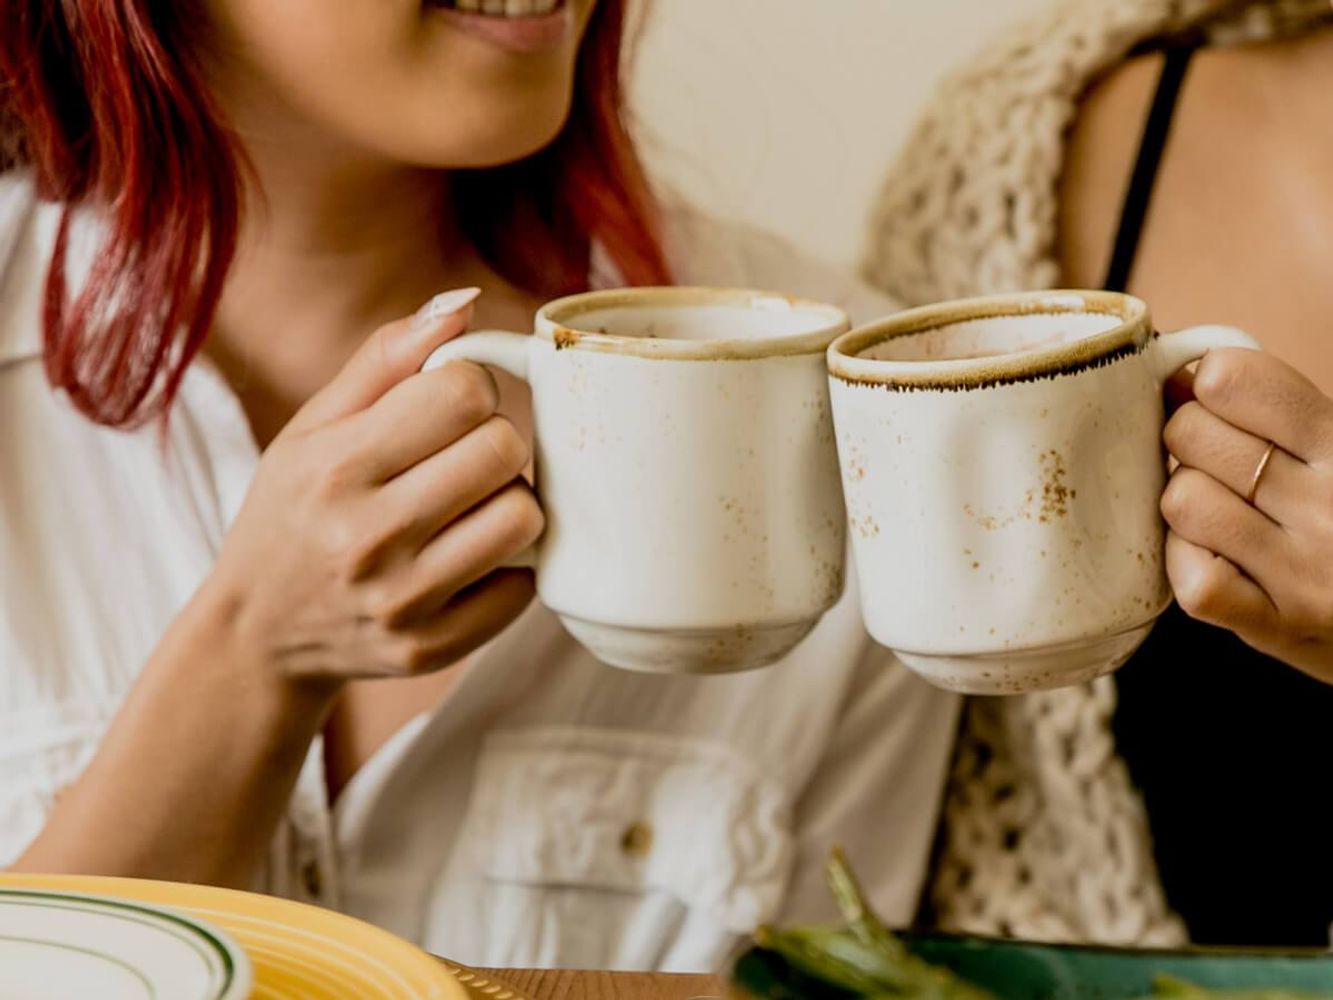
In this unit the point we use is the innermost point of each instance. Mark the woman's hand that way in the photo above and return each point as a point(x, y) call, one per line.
point(370, 542)
point(366, 547)
point(1257, 560)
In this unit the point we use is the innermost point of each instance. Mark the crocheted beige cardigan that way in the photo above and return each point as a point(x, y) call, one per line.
point(1043, 836)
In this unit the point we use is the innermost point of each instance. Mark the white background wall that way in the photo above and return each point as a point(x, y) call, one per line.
point(786, 113)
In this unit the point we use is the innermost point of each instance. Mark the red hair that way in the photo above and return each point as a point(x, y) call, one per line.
point(104, 100)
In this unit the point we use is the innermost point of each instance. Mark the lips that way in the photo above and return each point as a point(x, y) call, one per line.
point(501, 8)
point(524, 27)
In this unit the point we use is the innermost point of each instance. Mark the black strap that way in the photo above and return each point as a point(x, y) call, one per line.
point(1134, 211)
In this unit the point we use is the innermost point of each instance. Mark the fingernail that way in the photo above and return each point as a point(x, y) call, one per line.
point(444, 304)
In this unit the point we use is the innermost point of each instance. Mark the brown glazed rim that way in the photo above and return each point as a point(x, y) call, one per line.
point(558, 322)
point(1130, 336)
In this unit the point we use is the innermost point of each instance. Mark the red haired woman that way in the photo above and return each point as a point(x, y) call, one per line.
point(252, 625)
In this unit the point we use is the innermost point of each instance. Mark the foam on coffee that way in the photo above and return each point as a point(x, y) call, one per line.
point(763, 318)
point(993, 337)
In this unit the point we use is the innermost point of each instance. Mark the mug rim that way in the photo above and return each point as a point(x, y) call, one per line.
point(556, 322)
point(1129, 336)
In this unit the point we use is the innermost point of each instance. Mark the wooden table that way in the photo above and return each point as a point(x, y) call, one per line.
point(542, 984)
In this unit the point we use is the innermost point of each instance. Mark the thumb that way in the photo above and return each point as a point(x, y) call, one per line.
point(391, 354)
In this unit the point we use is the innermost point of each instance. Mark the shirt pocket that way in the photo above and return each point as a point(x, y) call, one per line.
point(43, 750)
point(617, 849)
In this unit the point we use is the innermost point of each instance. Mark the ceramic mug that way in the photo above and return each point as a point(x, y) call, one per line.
point(1002, 465)
point(686, 464)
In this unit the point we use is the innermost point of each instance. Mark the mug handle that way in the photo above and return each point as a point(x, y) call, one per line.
point(497, 349)
point(1171, 352)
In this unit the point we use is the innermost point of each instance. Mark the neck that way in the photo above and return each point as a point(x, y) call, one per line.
point(330, 248)
point(348, 245)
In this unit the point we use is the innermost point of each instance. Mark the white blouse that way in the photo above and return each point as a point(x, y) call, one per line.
point(551, 811)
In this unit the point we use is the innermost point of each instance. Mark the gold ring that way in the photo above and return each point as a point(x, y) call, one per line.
point(1259, 472)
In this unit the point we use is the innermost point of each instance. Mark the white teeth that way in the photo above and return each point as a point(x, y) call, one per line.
point(505, 8)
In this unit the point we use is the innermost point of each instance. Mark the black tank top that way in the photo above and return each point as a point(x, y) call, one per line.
point(1232, 751)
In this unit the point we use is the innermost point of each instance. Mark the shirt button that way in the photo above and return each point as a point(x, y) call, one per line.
point(637, 840)
point(312, 878)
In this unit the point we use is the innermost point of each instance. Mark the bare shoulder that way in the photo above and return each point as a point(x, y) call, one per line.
point(1103, 145)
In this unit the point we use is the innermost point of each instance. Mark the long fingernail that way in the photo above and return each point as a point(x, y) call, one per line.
point(444, 304)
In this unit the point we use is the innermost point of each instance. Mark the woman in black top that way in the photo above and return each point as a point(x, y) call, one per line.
point(1232, 751)
point(1026, 165)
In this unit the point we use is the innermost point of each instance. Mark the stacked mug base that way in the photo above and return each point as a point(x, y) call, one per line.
point(1038, 668)
point(696, 651)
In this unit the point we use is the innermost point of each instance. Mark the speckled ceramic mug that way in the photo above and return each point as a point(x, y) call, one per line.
point(686, 463)
point(1002, 466)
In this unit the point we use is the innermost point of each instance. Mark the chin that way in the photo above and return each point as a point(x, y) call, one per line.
point(503, 133)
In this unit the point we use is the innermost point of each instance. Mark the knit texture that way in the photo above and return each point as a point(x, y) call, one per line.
point(1043, 835)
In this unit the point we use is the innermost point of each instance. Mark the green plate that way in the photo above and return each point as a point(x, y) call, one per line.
point(1019, 971)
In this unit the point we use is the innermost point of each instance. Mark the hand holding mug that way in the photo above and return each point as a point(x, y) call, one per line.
point(372, 536)
point(1250, 507)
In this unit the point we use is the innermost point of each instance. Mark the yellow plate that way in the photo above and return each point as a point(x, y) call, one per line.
point(299, 952)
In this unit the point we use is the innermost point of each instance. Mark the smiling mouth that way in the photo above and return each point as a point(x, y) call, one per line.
point(501, 8)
